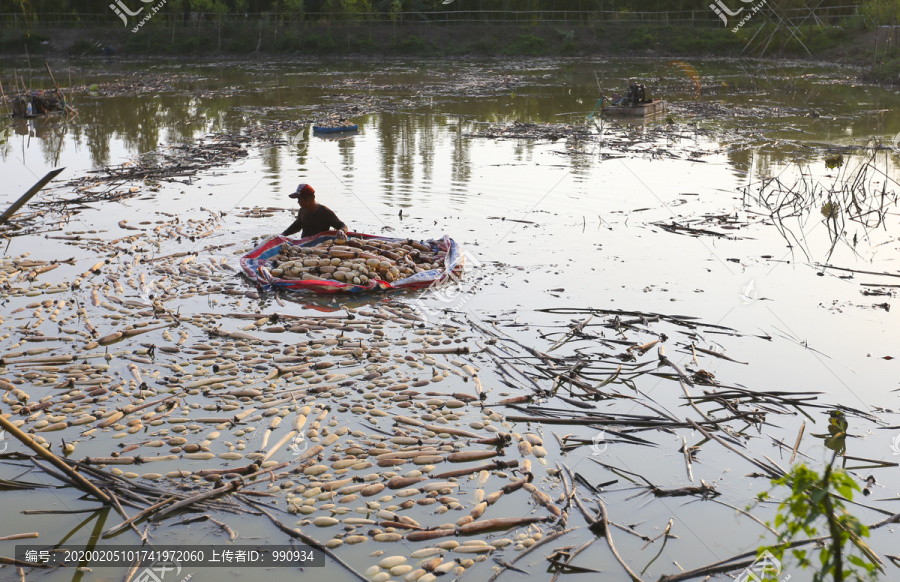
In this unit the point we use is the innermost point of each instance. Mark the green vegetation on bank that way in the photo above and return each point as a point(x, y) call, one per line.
point(417, 10)
point(844, 30)
point(421, 40)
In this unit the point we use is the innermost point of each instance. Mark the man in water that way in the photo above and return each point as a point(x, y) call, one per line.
point(313, 217)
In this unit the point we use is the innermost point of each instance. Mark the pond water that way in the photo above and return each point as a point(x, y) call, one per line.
point(595, 223)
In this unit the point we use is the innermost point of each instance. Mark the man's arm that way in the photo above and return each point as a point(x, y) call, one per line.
point(335, 222)
point(296, 226)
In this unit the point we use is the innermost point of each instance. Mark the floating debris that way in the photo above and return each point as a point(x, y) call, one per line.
point(177, 390)
point(527, 130)
point(37, 103)
point(334, 124)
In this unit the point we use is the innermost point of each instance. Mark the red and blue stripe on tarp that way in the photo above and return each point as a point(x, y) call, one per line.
point(257, 266)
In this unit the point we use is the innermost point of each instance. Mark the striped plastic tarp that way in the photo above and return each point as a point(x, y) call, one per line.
point(257, 266)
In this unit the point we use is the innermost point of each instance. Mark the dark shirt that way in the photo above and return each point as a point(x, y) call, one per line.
point(314, 221)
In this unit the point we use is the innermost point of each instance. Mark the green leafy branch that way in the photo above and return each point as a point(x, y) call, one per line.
point(814, 498)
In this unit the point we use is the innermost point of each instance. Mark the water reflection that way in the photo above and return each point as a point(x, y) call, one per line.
point(420, 143)
point(48, 134)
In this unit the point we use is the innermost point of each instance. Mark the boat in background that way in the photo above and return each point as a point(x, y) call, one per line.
point(334, 125)
point(38, 103)
point(635, 103)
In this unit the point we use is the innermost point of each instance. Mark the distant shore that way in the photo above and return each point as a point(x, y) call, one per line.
point(619, 38)
point(843, 45)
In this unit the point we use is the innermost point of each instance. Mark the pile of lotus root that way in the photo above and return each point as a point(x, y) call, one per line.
point(356, 260)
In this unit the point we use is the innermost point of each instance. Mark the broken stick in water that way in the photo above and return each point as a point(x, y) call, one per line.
point(28, 195)
point(77, 478)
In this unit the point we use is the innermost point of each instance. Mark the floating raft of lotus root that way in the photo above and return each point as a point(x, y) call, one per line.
point(323, 264)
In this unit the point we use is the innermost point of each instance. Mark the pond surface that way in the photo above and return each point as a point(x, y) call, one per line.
point(672, 216)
